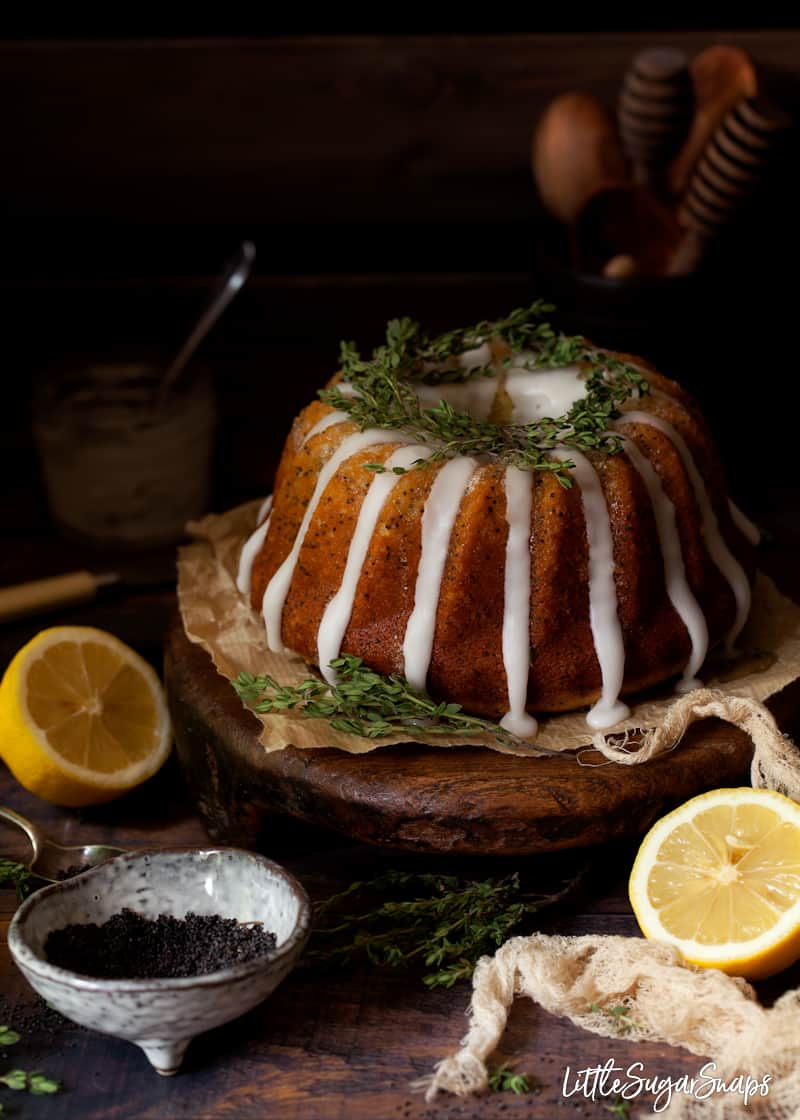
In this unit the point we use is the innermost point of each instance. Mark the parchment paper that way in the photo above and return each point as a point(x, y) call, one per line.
point(217, 617)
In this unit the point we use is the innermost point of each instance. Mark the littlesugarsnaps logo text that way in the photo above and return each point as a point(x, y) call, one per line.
point(629, 1082)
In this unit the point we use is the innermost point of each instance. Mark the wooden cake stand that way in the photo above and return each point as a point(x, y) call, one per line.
point(458, 800)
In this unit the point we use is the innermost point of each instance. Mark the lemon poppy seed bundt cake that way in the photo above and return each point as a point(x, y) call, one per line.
point(507, 517)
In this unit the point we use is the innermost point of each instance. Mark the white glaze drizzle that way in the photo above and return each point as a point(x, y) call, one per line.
point(678, 590)
point(252, 547)
point(475, 397)
point(749, 531)
point(718, 550)
point(336, 615)
point(535, 393)
point(346, 389)
point(517, 601)
point(264, 509)
point(476, 358)
point(278, 587)
point(438, 519)
point(603, 615)
point(322, 425)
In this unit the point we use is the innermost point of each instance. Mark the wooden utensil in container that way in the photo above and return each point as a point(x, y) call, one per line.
point(728, 170)
point(655, 112)
point(576, 149)
point(721, 77)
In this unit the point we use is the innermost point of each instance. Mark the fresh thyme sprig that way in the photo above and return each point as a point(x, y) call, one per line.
point(382, 395)
point(15, 875)
point(365, 703)
point(620, 1016)
point(502, 1079)
point(35, 1082)
point(19, 1080)
point(441, 922)
point(619, 1107)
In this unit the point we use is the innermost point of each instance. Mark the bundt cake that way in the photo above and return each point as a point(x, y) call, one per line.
point(507, 517)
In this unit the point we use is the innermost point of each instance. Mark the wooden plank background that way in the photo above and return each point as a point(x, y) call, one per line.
point(303, 129)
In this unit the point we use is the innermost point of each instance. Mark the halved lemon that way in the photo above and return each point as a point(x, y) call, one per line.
point(719, 878)
point(83, 717)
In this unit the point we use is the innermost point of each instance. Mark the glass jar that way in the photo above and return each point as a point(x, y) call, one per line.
point(122, 466)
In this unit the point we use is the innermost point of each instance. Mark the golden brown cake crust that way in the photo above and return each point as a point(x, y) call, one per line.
point(467, 663)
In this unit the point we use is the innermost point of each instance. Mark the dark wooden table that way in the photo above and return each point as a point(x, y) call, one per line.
point(337, 1044)
point(326, 1045)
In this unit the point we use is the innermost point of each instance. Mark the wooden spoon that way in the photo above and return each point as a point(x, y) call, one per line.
point(575, 150)
point(728, 170)
point(655, 111)
point(721, 76)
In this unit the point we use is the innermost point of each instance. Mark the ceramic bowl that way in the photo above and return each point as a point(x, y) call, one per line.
point(162, 1016)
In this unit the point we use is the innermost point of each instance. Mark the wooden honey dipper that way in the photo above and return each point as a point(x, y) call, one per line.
point(655, 110)
point(726, 173)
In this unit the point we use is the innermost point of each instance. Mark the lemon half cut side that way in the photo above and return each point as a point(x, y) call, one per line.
point(83, 717)
point(719, 878)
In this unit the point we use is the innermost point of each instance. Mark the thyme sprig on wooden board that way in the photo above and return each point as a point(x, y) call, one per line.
point(441, 922)
point(365, 703)
point(381, 391)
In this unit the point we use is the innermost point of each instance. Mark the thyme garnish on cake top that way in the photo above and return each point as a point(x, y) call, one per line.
point(569, 542)
point(379, 392)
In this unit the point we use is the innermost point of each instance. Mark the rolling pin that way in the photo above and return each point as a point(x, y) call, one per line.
point(728, 170)
point(23, 599)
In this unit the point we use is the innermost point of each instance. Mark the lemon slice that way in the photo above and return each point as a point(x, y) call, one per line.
point(82, 717)
point(720, 878)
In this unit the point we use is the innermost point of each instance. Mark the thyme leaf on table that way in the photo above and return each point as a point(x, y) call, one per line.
point(503, 1080)
point(619, 1107)
point(20, 1080)
point(441, 922)
point(37, 1084)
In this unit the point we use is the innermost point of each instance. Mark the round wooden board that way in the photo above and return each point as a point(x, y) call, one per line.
point(458, 800)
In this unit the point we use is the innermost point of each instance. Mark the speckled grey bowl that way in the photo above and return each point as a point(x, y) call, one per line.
point(163, 1016)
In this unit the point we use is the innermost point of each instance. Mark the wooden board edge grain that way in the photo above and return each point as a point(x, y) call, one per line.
point(459, 801)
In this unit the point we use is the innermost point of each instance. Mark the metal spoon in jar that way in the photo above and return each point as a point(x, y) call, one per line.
point(54, 862)
point(231, 281)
